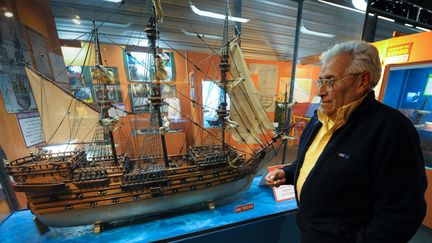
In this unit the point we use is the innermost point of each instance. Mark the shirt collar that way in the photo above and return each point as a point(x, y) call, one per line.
point(342, 113)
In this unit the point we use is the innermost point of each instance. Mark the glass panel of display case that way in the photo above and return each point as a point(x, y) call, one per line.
point(8, 202)
point(409, 89)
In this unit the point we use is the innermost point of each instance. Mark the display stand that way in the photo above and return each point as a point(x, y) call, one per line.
point(267, 221)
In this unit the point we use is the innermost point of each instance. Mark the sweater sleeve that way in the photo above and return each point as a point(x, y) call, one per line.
point(398, 190)
point(289, 173)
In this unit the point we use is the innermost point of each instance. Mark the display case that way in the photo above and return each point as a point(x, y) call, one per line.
point(408, 88)
point(250, 216)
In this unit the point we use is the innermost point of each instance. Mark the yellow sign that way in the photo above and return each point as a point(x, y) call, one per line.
point(398, 53)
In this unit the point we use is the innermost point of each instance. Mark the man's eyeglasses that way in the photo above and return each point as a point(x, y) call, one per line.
point(328, 83)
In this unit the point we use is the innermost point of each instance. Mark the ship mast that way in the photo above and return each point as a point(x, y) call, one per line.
point(156, 96)
point(224, 67)
point(104, 102)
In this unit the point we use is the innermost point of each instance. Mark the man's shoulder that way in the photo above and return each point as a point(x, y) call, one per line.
point(390, 114)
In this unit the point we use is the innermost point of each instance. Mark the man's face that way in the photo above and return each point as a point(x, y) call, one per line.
point(344, 91)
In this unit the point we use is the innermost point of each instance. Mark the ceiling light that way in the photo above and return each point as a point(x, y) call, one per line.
point(424, 29)
point(359, 4)
point(216, 15)
point(341, 6)
point(113, 1)
point(207, 36)
point(311, 32)
point(76, 20)
point(6, 12)
point(388, 19)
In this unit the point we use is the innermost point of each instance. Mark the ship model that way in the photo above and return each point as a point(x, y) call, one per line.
point(95, 184)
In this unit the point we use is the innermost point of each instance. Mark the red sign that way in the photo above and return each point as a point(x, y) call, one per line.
point(244, 207)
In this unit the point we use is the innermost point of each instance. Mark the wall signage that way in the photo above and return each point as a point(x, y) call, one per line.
point(31, 128)
point(399, 53)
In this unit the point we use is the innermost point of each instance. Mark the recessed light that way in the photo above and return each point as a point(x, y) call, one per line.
point(76, 21)
point(215, 15)
point(424, 29)
point(341, 6)
point(8, 14)
point(311, 32)
point(359, 4)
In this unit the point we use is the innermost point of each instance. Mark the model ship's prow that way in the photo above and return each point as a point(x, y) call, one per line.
point(94, 184)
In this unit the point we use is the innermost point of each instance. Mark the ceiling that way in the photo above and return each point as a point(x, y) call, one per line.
point(268, 35)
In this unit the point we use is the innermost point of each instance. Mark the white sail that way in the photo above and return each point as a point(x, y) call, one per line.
point(246, 107)
point(65, 119)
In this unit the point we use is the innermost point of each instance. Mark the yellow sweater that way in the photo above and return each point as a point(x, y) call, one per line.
point(321, 139)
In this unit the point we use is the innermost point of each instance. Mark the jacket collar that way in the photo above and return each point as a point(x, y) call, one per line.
point(367, 101)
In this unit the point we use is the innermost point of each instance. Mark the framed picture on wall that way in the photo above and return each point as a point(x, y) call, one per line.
point(107, 93)
point(99, 77)
point(39, 46)
point(17, 94)
point(140, 67)
point(140, 94)
point(87, 82)
point(58, 67)
point(83, 94)
point(75, 78)
point(14, 85)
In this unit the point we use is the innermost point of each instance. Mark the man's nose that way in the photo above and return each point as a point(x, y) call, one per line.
point(322, 90)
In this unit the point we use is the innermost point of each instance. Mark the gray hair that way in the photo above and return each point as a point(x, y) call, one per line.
point(365, 58)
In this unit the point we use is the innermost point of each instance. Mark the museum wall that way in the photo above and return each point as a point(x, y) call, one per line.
point(41, 21)
point(37, 16)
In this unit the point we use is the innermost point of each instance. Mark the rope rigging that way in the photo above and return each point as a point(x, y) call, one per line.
point(172, 86)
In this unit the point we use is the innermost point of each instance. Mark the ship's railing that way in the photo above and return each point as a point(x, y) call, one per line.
point(34, 158)
point(149, 175)
point(261, 158)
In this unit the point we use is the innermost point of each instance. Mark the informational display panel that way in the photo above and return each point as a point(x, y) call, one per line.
point(31, 128)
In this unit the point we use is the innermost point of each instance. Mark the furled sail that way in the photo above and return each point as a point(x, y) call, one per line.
point(65, 119)
point(246, 107)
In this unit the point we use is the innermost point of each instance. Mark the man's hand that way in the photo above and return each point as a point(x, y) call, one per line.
point(275, 178)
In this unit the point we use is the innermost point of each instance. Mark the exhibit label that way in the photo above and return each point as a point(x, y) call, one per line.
point(31, 128)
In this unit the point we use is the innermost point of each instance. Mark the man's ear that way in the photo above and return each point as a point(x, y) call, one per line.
point(365, 79)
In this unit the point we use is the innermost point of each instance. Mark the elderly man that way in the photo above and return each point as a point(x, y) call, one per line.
point(359, 174)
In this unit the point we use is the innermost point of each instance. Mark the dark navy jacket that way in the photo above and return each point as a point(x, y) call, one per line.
point(368, 184)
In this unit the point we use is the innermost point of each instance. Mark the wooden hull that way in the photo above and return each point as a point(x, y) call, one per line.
point(143, 208)
point(40, 187)
point(72, 190)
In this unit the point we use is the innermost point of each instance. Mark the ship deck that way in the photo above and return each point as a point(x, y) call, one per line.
point(19, 227)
